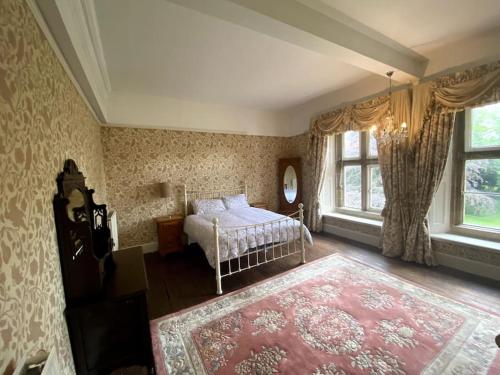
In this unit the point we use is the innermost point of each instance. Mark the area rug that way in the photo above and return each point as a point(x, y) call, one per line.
point(334, 316)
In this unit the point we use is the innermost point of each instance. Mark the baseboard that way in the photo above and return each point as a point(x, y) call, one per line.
point(469, 266)
point(149, 247)
point(352, 235)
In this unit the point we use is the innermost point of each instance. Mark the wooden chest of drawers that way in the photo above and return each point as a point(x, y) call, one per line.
point(170, 234)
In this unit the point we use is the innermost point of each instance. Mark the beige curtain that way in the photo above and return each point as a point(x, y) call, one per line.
point(433, 115)
point(431, 153)
point(317, 156)
point(360, 116)
point(411, 172)
point(394, 170)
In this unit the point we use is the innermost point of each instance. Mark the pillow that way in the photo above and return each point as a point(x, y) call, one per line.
point(235, 201)
point(207, 206)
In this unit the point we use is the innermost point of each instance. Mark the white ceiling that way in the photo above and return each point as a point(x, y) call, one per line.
point(162, 49)
point(158, 48)
point(248, 65)
point(419, 22)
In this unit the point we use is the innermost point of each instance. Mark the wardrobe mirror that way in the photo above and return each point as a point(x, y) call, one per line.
point(290, 184)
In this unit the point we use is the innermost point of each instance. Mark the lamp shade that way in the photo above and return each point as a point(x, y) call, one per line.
point(166, 190)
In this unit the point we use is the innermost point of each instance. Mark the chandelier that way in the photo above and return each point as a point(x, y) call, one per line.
point(390, 133)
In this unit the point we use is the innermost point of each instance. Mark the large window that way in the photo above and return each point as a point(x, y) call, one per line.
point(476, 203)
point(358, 177)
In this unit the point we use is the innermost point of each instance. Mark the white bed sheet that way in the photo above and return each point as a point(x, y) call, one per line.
point(199, 228)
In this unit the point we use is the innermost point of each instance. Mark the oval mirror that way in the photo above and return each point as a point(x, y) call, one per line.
point(76, 201)
point(290, 184)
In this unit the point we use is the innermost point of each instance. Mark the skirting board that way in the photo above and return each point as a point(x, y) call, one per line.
point(469, 266)
point(352, 235)
point(149, 247)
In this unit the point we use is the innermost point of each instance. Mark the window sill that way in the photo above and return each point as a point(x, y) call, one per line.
point(457, 239)
point(476, 232)
point(356, 219)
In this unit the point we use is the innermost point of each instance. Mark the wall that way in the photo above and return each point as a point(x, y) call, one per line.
point(43, 121)
point(137, 160)
point(176, 114)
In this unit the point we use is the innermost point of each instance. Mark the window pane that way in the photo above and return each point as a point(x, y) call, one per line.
point(485, 122)
point(351, 145)
point(482, 193)
point(372, 145)
point(352, 186)
point(376, 197)
point(482, 175)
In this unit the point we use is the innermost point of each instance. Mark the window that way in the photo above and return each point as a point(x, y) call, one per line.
point(358, 174)
point(476, 203)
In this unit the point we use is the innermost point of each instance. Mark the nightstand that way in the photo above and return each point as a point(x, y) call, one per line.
point(170, 234)
point(262, 205)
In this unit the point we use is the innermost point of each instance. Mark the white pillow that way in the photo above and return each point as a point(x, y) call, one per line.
point(207, 206)
point(235, 201)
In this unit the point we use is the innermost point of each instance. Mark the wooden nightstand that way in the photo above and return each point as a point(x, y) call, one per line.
point(170, 234)
point(262, 205)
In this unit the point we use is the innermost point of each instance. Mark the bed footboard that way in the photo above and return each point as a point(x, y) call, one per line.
point(258, 244)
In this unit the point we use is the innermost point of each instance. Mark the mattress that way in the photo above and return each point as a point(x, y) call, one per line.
point(234, 242)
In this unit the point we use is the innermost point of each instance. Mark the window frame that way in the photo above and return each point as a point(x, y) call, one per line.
point(463, 151)
point(364, 160)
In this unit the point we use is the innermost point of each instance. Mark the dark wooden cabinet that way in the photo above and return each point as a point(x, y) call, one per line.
point(170, 234)
point(113, 331)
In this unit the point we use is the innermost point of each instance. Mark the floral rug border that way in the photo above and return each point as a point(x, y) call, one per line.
point(223, 305)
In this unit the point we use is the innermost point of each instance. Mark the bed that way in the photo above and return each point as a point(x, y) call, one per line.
point(240, 236)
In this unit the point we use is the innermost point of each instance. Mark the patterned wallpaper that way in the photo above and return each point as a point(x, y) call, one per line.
point(43, 121)
point(137, 160)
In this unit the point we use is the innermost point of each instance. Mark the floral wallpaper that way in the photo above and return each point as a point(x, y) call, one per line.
point(137, 160)
point(43, 121)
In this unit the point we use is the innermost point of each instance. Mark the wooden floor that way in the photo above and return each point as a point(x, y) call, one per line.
point(181, 280)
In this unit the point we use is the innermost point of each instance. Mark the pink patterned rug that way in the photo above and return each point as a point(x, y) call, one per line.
point(333, 316)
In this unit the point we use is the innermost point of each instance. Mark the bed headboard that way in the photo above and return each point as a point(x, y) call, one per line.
point(190, 195)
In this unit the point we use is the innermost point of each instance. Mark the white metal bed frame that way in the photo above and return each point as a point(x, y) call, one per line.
point(294, 244)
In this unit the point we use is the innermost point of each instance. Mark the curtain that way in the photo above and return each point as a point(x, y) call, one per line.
point(394, 170)
point(317, 157)
point(433, 116)
point(431, 153)
point(357, 117)
point(411, 171)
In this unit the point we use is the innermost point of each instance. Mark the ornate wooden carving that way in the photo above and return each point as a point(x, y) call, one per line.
point(83, 236)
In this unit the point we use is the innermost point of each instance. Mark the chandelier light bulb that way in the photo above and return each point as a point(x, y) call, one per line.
point(390, 133)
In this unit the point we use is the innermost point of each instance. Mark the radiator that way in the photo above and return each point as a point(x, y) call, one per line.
point(113, 227)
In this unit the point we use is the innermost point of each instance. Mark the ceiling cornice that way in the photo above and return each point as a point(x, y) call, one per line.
point(35, 10)
point(74, 27)
point(88, 7)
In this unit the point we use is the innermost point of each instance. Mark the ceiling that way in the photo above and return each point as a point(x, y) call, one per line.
point(143, 62)
point(422, 22)
point(163, 49)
